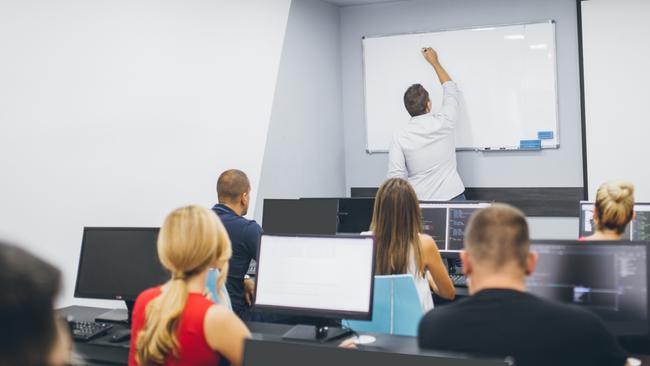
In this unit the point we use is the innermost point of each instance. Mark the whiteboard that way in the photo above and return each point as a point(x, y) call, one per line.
point(506, 74)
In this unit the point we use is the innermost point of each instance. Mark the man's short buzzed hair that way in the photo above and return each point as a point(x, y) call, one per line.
point(498, 235)
point(231, 185)
point(416, 99)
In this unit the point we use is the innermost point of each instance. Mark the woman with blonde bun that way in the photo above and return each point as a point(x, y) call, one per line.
point(177, 323)
point(613, 211)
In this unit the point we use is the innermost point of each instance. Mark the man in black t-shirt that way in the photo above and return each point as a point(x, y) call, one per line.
point(500, 319)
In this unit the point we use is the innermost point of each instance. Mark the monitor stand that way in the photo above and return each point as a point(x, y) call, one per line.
point(318, 333)
point(122, 316)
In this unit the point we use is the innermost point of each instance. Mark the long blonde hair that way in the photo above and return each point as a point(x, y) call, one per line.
point(396, 225)
point(191, 239)
point(614, 206)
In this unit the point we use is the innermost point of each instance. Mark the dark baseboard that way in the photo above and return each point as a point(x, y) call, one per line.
point(533, 201)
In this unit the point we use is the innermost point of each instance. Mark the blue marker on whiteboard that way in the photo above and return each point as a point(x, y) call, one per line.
point(530, 144)
point(545, 135)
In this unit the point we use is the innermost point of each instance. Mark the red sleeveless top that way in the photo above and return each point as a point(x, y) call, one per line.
point(193, 347)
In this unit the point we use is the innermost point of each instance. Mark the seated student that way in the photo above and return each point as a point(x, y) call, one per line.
point(500, 319)
point(31, 335)
point(613, 211)
point(233, 191)
point(176, 324)
point(401, 246)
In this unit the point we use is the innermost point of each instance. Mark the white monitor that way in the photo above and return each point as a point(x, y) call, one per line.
point(321, 276)
point(446, 221)
point(638, 229)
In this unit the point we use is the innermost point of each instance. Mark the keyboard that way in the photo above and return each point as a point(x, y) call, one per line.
point(85, 331)
point(458, 280)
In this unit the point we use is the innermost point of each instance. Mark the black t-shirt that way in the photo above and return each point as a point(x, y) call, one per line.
point(245, 236)
point(502, 323)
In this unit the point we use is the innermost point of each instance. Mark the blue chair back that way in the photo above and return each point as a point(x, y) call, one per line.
point(381, 309)
point(408, 310)
point(211, 284)
point(396, 307)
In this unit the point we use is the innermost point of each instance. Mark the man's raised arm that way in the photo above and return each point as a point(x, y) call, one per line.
point(450, 97)
point(432, 57)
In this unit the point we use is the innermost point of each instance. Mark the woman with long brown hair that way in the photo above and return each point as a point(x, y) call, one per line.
point(402, 248)
point(176, 323)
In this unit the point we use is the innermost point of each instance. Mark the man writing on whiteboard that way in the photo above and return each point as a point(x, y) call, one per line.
point(423, 151)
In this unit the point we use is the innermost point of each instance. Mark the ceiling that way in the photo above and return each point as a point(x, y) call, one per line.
point(357, 2)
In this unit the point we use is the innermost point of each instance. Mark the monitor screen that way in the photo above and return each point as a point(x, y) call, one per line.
point(608, 278)
point(355, 215)
point(118, 263)
point(434, 223)
point(328, 276)
point(638, 229)
point(300, 216)
point(445, 222)
point(640, 226)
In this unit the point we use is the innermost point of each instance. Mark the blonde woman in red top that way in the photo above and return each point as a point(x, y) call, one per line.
point(176, 323)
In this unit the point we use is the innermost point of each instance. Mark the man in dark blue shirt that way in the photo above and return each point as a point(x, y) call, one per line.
point(233, 191)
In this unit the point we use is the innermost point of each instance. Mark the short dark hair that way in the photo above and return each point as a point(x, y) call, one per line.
point(498, 235)
point(28, 286)
point(231, 185)
point(416, 99)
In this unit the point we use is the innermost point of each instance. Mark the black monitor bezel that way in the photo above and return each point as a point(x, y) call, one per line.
point(646, 244)
point(306, 353)
point(77, 292)
point(319, 313)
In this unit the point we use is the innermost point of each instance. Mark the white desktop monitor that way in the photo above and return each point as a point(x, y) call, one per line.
point(638, 229)
point(320, 276)
point(446, 222)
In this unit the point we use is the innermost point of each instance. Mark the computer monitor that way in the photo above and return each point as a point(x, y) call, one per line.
point(354, 215)
point(320, 276)
point(300, 216)
point(117, 264)
point(638, 229)
point(263, 352)
point(446, 221)
point(608, 278)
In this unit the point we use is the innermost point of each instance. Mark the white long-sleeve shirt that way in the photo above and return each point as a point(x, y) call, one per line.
point(423, 151)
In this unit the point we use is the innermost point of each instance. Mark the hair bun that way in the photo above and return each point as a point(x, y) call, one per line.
point(620, 191)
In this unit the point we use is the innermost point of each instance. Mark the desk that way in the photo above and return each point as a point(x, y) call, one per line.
point(100, 352)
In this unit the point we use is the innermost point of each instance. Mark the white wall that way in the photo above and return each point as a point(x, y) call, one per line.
point(115, 112)
point(304, 150)
point(617, 92)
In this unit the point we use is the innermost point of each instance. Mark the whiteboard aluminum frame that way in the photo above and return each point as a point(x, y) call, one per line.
point(485, 149)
